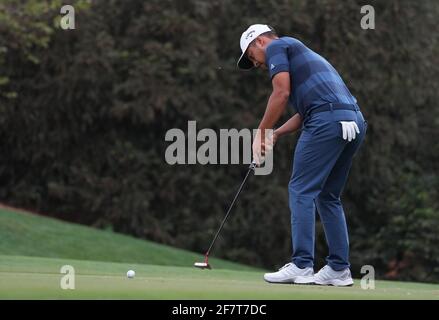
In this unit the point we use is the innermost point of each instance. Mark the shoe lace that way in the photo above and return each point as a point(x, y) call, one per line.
point(324, 269)
point(286, 266)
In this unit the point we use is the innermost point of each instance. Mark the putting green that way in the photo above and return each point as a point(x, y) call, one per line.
point(26, 234)
point(40, 278)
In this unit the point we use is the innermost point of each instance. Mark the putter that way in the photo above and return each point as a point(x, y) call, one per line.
point(205, 264)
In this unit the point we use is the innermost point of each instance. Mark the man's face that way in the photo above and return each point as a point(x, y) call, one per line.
point(256, 54)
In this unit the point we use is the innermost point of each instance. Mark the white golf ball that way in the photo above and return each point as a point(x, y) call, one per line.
point(131, 274)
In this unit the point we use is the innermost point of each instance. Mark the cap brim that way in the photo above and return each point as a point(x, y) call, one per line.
point(245, 63)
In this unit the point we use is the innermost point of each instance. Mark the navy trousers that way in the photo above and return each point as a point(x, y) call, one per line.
point(322, 160)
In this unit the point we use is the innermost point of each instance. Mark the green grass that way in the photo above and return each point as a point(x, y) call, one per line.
point(39, 278)
point(33, 249)
point(27, 234)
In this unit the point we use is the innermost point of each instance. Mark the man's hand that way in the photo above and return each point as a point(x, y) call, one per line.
point(257, 149)
point(262, 147)
point(274, 137)
point(349, 129)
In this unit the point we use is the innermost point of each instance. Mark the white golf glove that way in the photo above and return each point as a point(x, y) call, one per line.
point(350, 129)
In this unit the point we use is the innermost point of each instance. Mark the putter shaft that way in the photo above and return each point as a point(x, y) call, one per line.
point(250, 169)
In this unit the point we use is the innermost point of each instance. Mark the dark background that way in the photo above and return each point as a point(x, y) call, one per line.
point(84, 112)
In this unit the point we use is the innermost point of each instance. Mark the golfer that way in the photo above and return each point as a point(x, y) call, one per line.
point(333, 128)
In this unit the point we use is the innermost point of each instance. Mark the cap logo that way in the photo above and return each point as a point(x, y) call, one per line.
point(250, 34)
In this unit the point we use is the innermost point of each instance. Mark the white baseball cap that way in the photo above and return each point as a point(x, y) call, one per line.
point(247, 37)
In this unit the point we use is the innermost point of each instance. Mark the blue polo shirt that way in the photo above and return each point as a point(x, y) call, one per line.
point(314, 81)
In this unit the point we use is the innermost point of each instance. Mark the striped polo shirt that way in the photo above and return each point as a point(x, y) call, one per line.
point(314, 81)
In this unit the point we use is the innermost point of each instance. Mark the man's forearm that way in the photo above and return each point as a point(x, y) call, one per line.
point(275, 108)
point(292, 125)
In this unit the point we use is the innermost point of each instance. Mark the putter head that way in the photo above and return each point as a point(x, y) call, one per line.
point(202, 265)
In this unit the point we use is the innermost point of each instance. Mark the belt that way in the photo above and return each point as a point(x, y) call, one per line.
point(332, 106)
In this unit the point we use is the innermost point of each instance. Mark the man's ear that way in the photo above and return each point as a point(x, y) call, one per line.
point(260, 42)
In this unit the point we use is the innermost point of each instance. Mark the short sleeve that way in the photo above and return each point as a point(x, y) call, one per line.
point(277, 58)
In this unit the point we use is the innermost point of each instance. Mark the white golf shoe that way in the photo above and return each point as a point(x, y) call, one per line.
point(328, 276)
point(290, 273)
